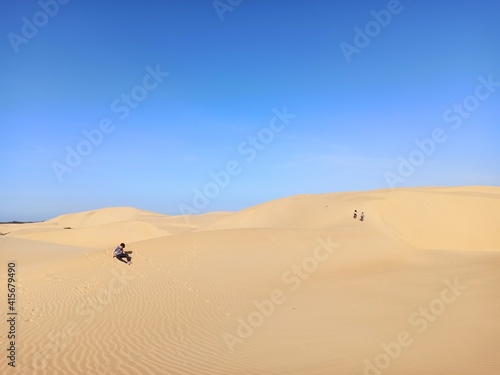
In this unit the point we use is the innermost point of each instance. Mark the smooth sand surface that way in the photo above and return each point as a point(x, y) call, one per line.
point(292, 286)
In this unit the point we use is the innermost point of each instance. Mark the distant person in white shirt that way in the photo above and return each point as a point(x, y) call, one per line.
point(120, 254)
point(362, 216)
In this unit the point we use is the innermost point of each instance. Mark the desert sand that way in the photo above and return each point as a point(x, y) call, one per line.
point(292, 286)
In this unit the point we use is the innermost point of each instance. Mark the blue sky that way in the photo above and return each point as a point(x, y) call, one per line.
point(352, 118)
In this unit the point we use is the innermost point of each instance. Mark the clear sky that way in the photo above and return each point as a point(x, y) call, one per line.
point(285, 97)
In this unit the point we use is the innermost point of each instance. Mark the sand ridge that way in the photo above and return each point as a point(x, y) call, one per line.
point(293, 286)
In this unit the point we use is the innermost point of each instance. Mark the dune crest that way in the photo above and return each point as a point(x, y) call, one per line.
point(100, 216)
point(293, 286)
point(425, 218)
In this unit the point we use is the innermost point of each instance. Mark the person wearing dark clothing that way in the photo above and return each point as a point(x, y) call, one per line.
point(120, 254)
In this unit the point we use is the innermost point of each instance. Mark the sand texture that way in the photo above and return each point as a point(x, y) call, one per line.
point(292, 286)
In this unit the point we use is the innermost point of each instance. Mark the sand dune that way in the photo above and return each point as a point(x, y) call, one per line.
point(432, 218)
point(101, 228)
point(293, 286)
point(99, 217)
point(98, 236)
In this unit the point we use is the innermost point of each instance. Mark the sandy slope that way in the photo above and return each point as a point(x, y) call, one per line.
point(440, 218)
point(293, 286)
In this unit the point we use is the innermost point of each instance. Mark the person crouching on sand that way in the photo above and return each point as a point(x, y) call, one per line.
point(120, 254)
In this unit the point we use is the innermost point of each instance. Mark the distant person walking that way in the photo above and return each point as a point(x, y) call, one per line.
point(120, 254)
point(362, 216)
point(355, 215)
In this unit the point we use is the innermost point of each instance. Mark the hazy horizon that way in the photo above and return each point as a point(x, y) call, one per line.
point(97, 208)
point(180, 107)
